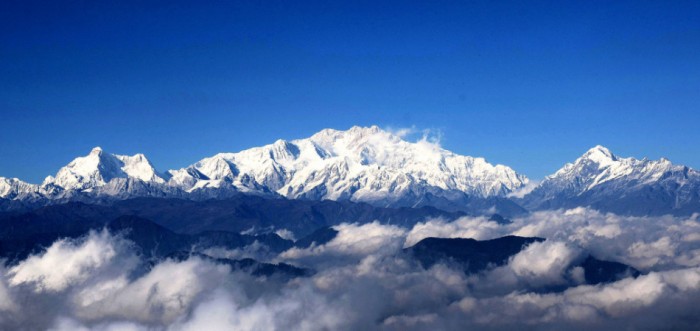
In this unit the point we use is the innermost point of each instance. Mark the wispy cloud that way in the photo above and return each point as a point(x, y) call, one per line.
point(524, 190)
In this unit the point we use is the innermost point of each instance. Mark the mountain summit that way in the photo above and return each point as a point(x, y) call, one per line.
point(363, 164)
point(99, 168)
point(602, 180)
point(375, 166)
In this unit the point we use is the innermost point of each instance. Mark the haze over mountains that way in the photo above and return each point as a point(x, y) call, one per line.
point(379, 167)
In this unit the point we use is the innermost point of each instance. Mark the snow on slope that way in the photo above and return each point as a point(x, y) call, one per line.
point(600, 178)
point(360, 164)
point(13, 188)
point(368, 164)
point(99, 168)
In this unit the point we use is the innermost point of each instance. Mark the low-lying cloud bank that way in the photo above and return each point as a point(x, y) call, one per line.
point(365, 281)
point(646, 243)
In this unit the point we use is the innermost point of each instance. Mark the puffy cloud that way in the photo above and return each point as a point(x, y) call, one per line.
point(67, 262)
point(544, 262)
point(649, 254)
point(478, 228)
point(364, 281)
point(646, 243)
point(354, 241)
point(625, 298)
point(6, 301)
point(98, 278)
point(222, 313)
point(161, 295)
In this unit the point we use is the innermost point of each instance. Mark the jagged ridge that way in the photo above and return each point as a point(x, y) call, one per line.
point(360, 164)
point(367, 164)
point(605, 181)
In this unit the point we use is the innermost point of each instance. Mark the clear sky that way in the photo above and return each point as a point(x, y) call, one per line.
point(529, 84)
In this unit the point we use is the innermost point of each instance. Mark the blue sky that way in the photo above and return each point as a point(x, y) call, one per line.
point(528, 84)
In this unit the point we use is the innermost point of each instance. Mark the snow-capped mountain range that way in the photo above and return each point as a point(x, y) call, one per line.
point(368, 164)
point(361, 164)
point(364, 164)
point(99, 168)
point(608, 182)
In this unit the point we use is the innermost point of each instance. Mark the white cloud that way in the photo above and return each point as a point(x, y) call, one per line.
point(648, 254)
point(354, 240)
point(544, 262)
point(364, 281)
point(466, 227)
point(67, 262)
point(524, 190)
point(6, 301)
point(161, 295)
point(285, 234)
point(646, 243)
point(401, 132)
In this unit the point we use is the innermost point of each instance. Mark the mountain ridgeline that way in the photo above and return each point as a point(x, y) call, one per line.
point(373, 166)
point(604, 181)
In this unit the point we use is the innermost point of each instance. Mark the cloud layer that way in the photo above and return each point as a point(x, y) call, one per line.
point(364, 280)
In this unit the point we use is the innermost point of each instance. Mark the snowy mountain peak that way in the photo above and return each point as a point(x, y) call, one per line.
point(600, 178)
point(598, 165)
point(11, 188)
point(361, 164)
point(96, 151)
point(372, 145)
point(380, 167)
point(283, 150)
point(99, 168)
point(599, 154)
